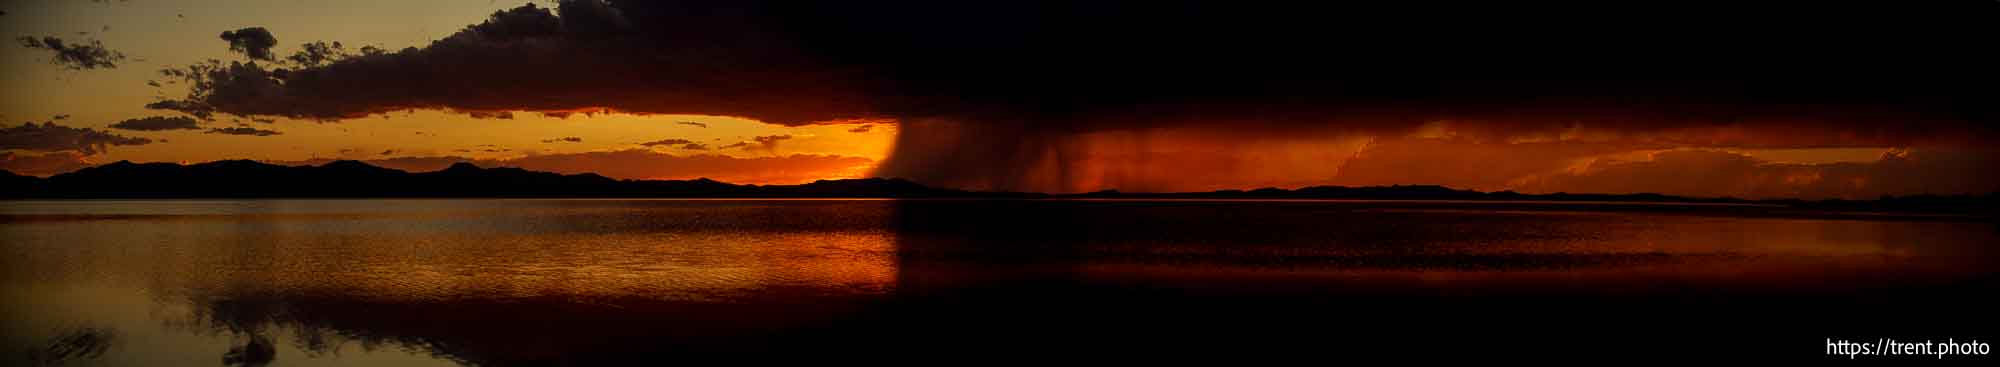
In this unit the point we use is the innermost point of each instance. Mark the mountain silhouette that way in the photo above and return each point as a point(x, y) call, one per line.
point(354, 179)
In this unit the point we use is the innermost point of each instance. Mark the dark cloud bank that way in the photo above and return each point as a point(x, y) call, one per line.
point(47, 148)
point(1008, 95)
point(49, 137)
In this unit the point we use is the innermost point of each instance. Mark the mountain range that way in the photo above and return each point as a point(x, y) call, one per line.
point(354, 179)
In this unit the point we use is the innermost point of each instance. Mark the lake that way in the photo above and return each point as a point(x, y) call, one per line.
point(586, 282)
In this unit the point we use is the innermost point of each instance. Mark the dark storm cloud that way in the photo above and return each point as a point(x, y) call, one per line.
point(75, 56)
point(667, 142)
point(586, 55)
point(1060, 66)
point(243, 130)
point(49, 137)
point(254, 42)
point(566, 139)
point(984, 94)
point(157, 123)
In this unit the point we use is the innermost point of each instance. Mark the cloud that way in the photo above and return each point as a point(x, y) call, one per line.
point(254, 42)
point(667, 142)
point(982, 97)
point(566, 139)
point(501, 115)
point(861, 129)
point(645, 164)
point(1716, 173)
point(43, 165)
point(49, 137)
point(692, 123)
point(767, 142)
point(674, 57)
point(75, 56)
point(319, 53)
point(1465, 163)
point(192, 109)
point(586, 55)
point(694, 146)
point(243, 130)
point(157, 123)
point(740, 144)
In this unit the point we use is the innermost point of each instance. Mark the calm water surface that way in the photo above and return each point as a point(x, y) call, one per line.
point(510, 282)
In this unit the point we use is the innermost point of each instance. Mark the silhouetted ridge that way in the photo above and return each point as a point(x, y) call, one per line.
point(356, 167)
point(244, 178)
point(354, 179)
point(11, 183)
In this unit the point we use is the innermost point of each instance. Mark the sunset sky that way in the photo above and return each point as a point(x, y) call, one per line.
point(1703, 100)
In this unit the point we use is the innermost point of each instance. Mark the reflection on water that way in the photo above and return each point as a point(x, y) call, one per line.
point(507, 282)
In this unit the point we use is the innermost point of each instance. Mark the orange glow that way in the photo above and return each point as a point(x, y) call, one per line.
point(1576, 159)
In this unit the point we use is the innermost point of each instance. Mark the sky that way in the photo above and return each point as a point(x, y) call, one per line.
point(157, 34)
point(1688, 99)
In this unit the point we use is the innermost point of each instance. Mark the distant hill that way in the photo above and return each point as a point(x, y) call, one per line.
point(353, 179)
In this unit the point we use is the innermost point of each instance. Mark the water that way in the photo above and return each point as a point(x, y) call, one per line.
point(510, 282)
